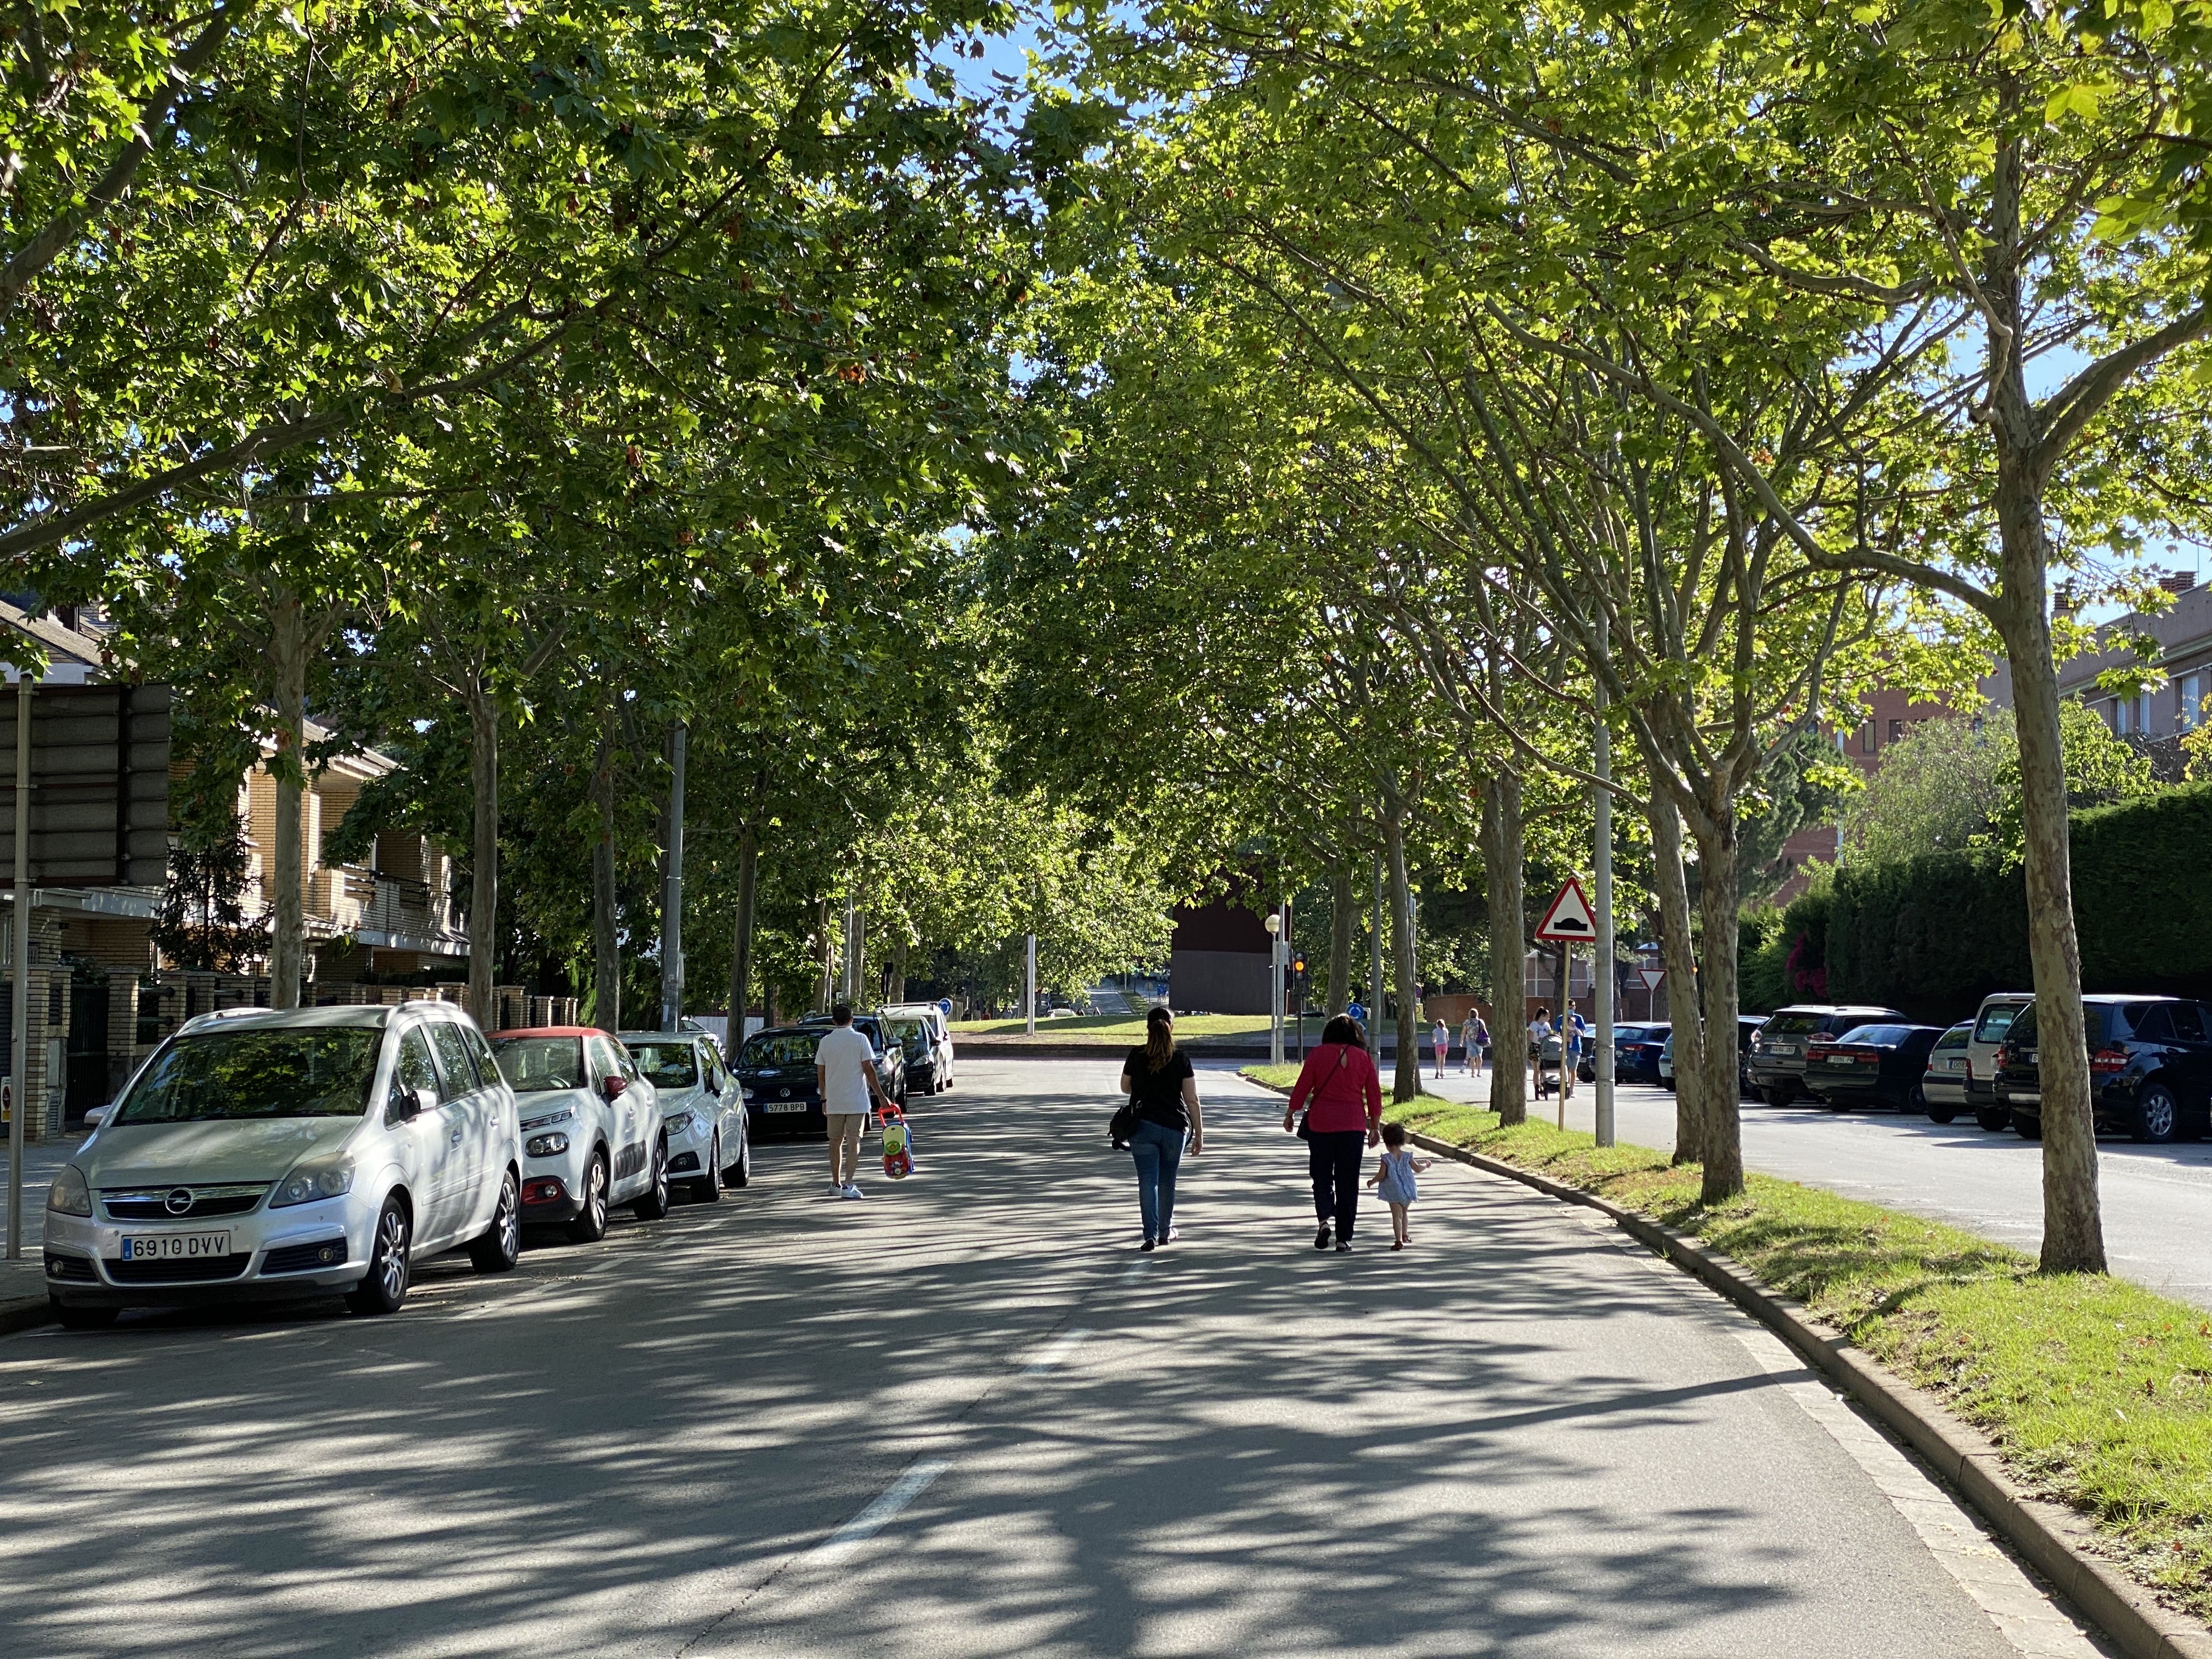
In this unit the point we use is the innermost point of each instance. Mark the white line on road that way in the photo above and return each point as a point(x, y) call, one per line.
point(878, 1515)
point(1055, 1351)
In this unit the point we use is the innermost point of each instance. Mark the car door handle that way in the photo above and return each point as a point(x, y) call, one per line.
point(456, 1138)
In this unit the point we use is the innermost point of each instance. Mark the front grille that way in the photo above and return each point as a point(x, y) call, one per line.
point(207, 1270)
point(75, 1268)
point(304, 1258)
point(683, 1163)
point(150, 1204)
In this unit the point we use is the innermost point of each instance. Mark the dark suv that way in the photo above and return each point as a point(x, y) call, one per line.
point(1775, 1063)
point(2150, 1067)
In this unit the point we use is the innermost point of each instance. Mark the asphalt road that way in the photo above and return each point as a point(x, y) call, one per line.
point(2157, 1200)
point(964, 1417)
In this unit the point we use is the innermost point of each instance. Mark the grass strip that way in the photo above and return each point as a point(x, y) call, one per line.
point(2096, 1392)
point(1129, 1028)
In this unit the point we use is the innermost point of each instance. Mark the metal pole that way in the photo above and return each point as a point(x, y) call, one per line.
point(19, 1079)
point(1297, 985)
point(1375, 984)
point(1028, 986)
point(851, 989)
point(1603, 966)
point(1275, 991)
point(672, 900)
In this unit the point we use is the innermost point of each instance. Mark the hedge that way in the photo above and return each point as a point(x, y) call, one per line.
point(1933, 935)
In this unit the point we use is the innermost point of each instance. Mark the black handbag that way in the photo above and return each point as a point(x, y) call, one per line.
point(1123, 1128)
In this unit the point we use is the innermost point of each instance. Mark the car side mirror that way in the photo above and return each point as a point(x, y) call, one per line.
point(97, 1116)
point(612, 1086)
point(408, 1104)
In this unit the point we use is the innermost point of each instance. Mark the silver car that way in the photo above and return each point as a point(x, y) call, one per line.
point(702, 1110)
point(260, 1154)
point(1943, 1085)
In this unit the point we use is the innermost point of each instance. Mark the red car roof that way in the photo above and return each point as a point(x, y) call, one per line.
point(550, 1030)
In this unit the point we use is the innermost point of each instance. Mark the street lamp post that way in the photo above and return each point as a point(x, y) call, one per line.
point(1274, 926)
point(1601, 988)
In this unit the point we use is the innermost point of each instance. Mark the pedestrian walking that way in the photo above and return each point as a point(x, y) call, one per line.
point(1392, 1181)
point(1341, 1097)
point(1443, 1046)
point(1473, 1035)
point(1163, 1092)
point(1571, 1032)
point(1540, 1029)
point(845, 1074)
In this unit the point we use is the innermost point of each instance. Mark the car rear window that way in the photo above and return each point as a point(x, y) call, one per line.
point(1956, 1037)
point(1795, 1024)
point(666, 1065)
point(1996, 1019)
point(784, 1048)
point(218, 1076)
point(2102, 1022)
point(1882, 1036)
point(535, 1065)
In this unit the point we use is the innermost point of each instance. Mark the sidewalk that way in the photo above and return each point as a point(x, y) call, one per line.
point(23, 1284)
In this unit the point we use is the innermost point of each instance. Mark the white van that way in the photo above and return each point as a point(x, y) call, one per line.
point(1994, 1019)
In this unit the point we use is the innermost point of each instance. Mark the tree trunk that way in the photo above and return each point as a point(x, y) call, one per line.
point(606, 940)
point(1679, 956)
point(741, 945)
point(899, 972)
point(825, 991)
point(2073, 1225)
point(483, 885)
point(288, 661)
point(1405, 1083)
point(1723, 1138)
point(1343, 926)
point(1509, 1008)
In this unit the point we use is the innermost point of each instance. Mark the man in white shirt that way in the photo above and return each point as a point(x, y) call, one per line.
point(845, 1073)
point(1539, 1029)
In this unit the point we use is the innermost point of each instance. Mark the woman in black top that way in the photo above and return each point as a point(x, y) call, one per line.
point(1163, 1094)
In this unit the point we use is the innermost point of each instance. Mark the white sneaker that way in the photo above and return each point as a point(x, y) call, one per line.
point(852, 1190)
point(836, 1189)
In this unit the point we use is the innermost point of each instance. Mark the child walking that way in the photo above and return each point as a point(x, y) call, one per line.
point(1392, 1181)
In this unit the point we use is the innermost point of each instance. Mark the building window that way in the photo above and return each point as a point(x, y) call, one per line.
point(1866, 739)
point(2143, 713)
point(2192, 700)
point(2123, 717)
point(1896, 731)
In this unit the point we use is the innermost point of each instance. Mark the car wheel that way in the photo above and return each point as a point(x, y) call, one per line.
point(652, 1202)
point(708, 1189)
point(2158, 1113)
point(76, 1316)
point(1916, 1100)
point(383, 1289)
point(1777, 1096)
point(742, 1171)
point(499, 1246)
point(590, 1225)
point(1939, 1114)
point(2028, 1128)
point(1993, 1118)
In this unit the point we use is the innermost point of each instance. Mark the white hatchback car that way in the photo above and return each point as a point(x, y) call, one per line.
point(702, 1110)
point(260, 1153)
point(941, 1041)
point(591, 1128)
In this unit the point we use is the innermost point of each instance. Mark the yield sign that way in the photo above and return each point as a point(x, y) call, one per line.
point(1651, 976)
point(1569, 919)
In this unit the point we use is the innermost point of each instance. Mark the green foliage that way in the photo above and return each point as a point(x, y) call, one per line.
point(2100, 771)
point(1938, 789)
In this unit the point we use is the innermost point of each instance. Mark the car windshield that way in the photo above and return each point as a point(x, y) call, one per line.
point(534, 1066)
point(1794, 1025)
point(211, 1077)
point(782, 1048)
point(911, 1032)
point(666, 1065)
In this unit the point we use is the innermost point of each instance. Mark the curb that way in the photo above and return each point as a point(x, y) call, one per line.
point(2055, 1538)
point(24, 1313)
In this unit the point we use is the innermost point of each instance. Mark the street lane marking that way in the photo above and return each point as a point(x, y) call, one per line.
point(842, 1543)
point(1055, 1351)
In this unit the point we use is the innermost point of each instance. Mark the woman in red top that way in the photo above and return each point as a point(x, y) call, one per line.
point(1342, 1097)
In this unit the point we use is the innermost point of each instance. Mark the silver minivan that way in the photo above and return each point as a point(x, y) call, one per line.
point(1991, 1022)
point(262, 1154)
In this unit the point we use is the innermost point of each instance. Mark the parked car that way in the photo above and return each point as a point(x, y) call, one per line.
point(2150, 1067)
point(1943, 1084)
point(775, 1070)
point(702, 1110)
point(890, 1054)
point(940, 1036)
point(591, 1128)
point(912, 1034)
point(1636, 1058)
point(1623, 1036)
point(1991, 1022)
point(1776, 1064)
point(1747, 1027)
point(260, 1153)
point(1877, 1065)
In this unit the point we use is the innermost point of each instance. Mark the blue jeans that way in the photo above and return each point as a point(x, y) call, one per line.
point(1159, 1152)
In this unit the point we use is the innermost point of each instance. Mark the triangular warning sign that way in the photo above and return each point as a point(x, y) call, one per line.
point(1571, 920)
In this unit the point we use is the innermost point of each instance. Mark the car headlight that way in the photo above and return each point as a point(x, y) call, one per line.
point(681, 1123)
point(547, 1119)
point(69, 1195)
point(329, 1178)
point(550, 1145)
